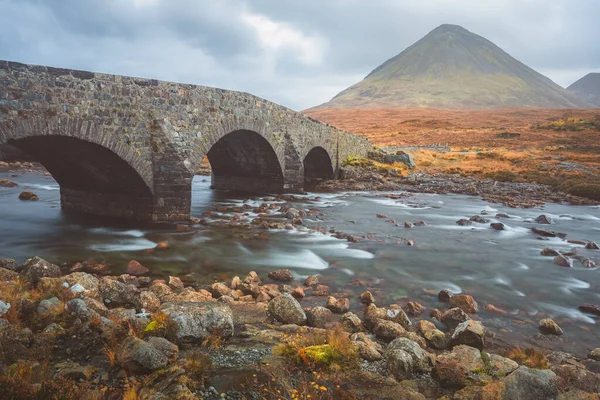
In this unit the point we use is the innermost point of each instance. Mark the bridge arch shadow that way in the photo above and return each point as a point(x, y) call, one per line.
point(317, 166)
point(245, 161)
point(97, 174)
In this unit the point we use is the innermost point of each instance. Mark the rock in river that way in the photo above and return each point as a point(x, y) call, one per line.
point(287, 310)
point(563, 261)
point(590, 309)
point(197, 321)
point(7, 183)
point(548, 327)
point(465, 302)
point(544, 219)
point(136, 269)
point(445, 295)
point(28, 196)
point(592, 246)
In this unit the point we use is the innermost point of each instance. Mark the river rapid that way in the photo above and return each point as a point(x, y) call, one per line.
point(503, 268)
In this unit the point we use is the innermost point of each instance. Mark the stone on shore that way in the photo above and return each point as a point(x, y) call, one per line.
point(373, 314)
point(36, 268)
point(453, 317)
point(445, 295)
point(139, 357)
point(338, 306)
point(465, 302)
point(466, 365)
point(28, 196)
point(422, 360)
point(318, 317)
point(470, 333)
point(9, 263)
point(530, 384)
point(195, 322)
point(117, 293)
point(175, 282)
point(414, 308)
point(311, 281)
point(388, 330)
point(366, 297)
point(397, 314)
point(8, 275)
point(220, 289)
point(320, 290)
point(168, 349)
point(136, 269)
point(595, 354)
point(434, 337)
point(287, 310)
point(548, 327)
point(351, 322)
point(282, 275)
point(252, 279)
point(50, 306)
point(74, 371)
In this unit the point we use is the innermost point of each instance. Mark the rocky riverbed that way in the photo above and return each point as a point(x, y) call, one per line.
point(105, 337)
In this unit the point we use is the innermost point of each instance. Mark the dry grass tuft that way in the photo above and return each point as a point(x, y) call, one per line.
point(529, 357)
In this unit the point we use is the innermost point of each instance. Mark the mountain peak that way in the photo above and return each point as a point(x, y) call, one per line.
point(587, 88)
point(451, 67)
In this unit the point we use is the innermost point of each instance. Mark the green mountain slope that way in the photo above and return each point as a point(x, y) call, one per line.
point(452, 68)
point(587, 88)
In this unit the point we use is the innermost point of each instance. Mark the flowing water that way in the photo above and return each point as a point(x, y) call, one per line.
point(503, 268)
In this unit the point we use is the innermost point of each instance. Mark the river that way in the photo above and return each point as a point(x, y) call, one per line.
point(503, 268)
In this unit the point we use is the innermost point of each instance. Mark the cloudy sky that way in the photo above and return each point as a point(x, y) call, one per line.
point(299, 53)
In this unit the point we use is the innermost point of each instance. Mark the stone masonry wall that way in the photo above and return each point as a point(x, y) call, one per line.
point(160, 129)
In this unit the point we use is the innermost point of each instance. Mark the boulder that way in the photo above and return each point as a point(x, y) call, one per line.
point(36, 268)
point(220, 289)
point(397, 314)
point(149, 301)
point(320, 290)
point(463, 222)
point(548, 327)
point(530, 384)
point(465, 302)
point(435, 338)
point(399, 364)
point(466, 365)
point(338, 306)
point(422, 360)
point(318, 317)
point(168, 349)
point(367, 352)
point(388, 330)
point(479, 219)
point(8, 275)
point(592, 246)
point(351, 322)
point(287, 310)
point(138, 357)
point(28, 196)
point(414, 308)
point(176, 283)
point(252, 278)
point(445, 295)
point(595, 354)
point(548, 252)
point(136, 269)
point(236, 283)
point(116, 293)
point(195, 322)
point(9, 263)
point(544, 220)
point(311, 281)
point(590, 309)
point(79, 282)
point(373, 314)
point(74, 371)
point(50, 306)
point(563, 261)
point(497, 226)
point(469, 333)
point(453, 317)
point(79, 308)
point(282, 275)
point(366, 297)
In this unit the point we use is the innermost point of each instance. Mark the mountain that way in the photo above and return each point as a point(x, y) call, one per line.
point(587, 88)
point(452, 68)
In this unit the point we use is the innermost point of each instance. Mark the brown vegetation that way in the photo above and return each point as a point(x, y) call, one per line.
point(555, 147)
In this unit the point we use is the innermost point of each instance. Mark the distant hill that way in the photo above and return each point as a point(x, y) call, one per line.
point(587, 88)
point(452, 68)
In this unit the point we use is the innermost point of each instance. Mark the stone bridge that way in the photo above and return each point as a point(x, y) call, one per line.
point(129, 147)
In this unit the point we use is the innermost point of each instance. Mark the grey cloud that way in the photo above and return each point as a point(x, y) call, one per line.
point(210, 42)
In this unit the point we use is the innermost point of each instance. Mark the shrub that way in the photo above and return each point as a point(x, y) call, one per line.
point(591, 191)
point(502, 176)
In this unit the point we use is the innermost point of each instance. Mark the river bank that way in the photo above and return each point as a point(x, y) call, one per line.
point(253, 337)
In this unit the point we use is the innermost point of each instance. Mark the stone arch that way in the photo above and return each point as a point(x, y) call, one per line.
point(97, 172)
point(56, 141)
point(318, 165)
point(245, 155)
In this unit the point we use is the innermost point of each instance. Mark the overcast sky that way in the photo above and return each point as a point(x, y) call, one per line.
point(299, 53)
